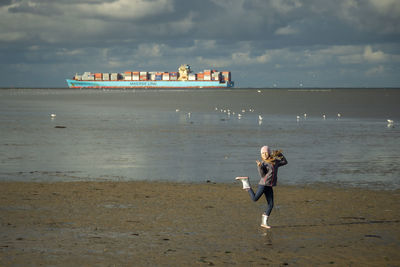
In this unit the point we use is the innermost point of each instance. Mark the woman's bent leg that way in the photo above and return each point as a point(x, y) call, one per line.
point(258, 194)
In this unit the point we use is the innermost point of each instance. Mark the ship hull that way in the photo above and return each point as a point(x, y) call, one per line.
point(148, 84)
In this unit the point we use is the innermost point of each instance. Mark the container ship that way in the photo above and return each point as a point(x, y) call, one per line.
point(183, 78)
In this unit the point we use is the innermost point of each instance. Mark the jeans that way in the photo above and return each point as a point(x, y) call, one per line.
point(269, 195)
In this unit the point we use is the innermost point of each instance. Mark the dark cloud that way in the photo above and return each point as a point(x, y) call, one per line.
point(262, 42)
point(5, 2)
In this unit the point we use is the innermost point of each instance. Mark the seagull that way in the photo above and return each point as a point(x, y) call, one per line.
point(177, 110)
point(52, 115)
point(243, 110)
point(298, 118)
point(260, 118)
point(339, 115)
point(239, 116)
point(324, 116)
point(305, 115)
point(258, 91)
point(189, 114)
point(390, 123)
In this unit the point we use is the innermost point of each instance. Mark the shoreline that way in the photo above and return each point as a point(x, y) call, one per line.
point(369, 186)
point(167, 223)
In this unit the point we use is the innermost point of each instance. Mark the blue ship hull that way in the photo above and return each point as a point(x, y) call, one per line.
point(148, 84)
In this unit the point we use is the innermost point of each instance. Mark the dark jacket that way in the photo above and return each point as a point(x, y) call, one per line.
point(269, 172)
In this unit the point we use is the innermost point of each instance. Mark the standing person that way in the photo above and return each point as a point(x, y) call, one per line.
point(268, 170)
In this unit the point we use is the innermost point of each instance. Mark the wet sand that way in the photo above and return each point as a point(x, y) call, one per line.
point(169, 224)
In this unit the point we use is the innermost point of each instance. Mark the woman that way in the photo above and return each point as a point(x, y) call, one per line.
point(268, 170)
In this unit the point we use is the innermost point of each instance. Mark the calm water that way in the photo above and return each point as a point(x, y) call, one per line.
point(140, 135)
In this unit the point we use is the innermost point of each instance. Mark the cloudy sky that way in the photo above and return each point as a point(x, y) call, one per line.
point(265, 43)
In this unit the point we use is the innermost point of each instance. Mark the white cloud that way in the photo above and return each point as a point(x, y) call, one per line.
point(375, 71)
point(371, 56)
point(237, 58)
point(286, 6)
point(244, 58)
point(11, 36)
point(358, 54)
point(126, 9)
point(68, 52)
point(387, 6)
point(378, 16)
point(149, 50)
point(288, 30)
point(206, 44)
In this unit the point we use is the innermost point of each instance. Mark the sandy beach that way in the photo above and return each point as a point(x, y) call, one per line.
point(177, 224)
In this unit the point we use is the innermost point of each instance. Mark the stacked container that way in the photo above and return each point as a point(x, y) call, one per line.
point(106, 76)
point(226, 76)
point(114, 76)
point(98, 76)
point(165, 76)
point(128, 76)
point(152, 76)
point(143, 75)
point(173, 76)
point(135, 76)
point(215, 76)
point(192, 77)
point(207, 75)
point(159, 76)
point(200, 76)
point(87, 76)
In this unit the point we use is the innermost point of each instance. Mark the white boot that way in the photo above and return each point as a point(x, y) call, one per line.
point(245, 182)
point(264, 221)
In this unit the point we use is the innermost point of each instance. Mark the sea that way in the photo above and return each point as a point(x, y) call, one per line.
point(345, 137)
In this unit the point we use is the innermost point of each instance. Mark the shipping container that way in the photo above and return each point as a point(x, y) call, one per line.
point(226, 76)
point(173, 76)
point(106, 76)
point(165, 76)
point(114, 76)
point(192, 77)
point(158, 76)
point(216, 76)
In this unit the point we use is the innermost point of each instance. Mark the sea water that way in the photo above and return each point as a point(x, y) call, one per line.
point(198, 135)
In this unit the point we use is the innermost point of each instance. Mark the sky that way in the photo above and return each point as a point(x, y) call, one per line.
point(264, 43)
